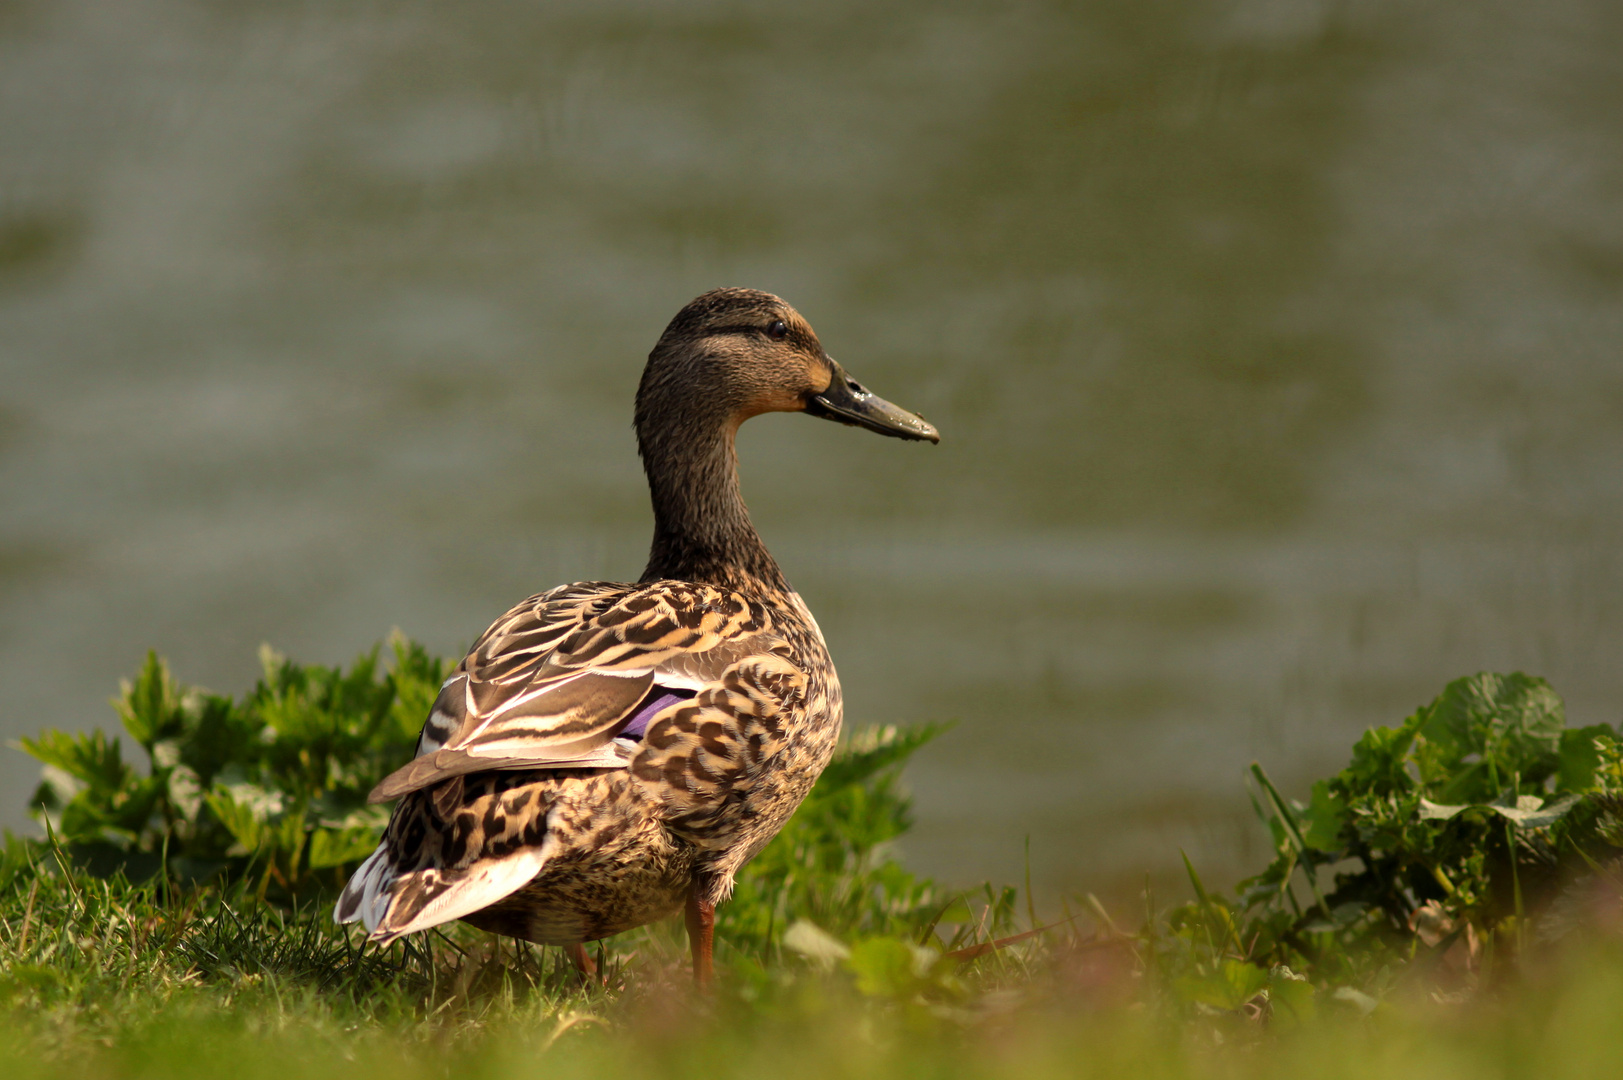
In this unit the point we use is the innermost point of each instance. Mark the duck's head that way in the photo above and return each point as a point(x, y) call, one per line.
point(736, 353)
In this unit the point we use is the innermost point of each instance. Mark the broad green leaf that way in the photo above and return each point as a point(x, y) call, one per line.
point(239, 819)
point(1513, 722)
point(1230, 986)
point(889, 967)
point(1583, 751)
point(1290, 997)
point(1323, 819)
point(334, 847)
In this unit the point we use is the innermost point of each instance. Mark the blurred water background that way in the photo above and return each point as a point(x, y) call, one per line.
point(1275, 344)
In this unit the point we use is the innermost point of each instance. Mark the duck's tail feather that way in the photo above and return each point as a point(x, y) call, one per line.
point(367, 893)
point(391, 900)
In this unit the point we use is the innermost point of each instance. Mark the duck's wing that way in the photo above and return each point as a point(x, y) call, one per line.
point(556, 679)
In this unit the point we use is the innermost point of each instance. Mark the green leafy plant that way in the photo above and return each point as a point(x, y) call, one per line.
point(1449, 834)
point(269, 789)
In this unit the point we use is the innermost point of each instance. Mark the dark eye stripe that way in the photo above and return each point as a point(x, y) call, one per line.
point(752, 328)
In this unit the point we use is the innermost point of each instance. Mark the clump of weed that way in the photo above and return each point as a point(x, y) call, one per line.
point(1444, 848)
point(270, 788)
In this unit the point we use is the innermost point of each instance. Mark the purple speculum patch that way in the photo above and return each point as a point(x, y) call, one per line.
point(658, 697)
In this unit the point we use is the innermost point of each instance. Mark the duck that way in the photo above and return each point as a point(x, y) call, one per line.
point(611, 753)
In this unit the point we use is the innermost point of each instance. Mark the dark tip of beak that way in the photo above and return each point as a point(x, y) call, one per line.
point(849, 402)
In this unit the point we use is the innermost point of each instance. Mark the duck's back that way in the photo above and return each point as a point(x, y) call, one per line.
point(601, 749)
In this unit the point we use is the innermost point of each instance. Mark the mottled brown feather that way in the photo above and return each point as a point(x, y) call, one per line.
point(526, 812)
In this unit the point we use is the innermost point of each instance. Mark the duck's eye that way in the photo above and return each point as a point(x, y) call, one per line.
point(777, 331)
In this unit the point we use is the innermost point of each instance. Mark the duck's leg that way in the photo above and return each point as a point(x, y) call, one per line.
point(583, 960)
point(701, 920)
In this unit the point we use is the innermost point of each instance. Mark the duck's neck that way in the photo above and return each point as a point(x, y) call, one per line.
point(702, 530)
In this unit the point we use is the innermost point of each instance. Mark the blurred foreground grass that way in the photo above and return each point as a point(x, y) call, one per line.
point(1444, 906)
point(113, 985)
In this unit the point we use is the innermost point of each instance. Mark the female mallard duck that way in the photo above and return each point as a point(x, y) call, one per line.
point(608, 752)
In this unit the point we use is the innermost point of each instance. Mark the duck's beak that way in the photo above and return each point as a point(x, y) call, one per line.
point(849, 402)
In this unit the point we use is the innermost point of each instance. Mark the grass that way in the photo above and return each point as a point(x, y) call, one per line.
point(174, 923)
point(107, 979)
